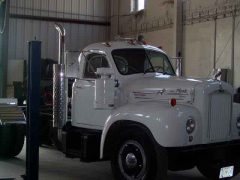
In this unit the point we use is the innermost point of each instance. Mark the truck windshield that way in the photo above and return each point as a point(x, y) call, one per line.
point(134, 61)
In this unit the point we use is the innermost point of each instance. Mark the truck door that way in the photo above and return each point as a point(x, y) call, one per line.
point(85, 115)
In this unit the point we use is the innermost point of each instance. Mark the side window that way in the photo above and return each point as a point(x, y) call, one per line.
point(94, 61)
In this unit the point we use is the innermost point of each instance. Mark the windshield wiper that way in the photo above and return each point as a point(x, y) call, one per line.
point(158, 67)
point(164, 73)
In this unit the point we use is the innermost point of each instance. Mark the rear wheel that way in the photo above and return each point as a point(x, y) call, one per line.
point(11, 140)
point(18, 140)
point(136, 158)
point(5, 140)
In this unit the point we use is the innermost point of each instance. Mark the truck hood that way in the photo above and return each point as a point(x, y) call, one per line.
point(163, 87)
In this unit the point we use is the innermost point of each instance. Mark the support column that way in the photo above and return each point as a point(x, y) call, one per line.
point(215, 43)
point(115, 18)
point(178, 28)
point(178, 33)
point(233, 50)
point(33, 99)
point(4, 28)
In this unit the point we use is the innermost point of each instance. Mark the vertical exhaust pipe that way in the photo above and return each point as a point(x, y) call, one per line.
point(59, 85)
point(61, 48)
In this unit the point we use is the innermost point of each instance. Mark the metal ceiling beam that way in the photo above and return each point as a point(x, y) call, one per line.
point(61, 20)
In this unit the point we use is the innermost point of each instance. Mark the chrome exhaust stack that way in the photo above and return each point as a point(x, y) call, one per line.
point(61, 48)
point(59, 85)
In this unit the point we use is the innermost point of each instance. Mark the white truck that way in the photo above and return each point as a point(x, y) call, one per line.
point(129, 107)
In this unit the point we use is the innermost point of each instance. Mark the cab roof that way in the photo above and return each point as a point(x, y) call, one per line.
point(120, 45)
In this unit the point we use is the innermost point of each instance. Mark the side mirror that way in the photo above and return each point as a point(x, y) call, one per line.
point(105, 72)
point(72, 64)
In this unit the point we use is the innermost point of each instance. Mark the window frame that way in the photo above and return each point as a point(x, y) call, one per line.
point(145, 50)
point(166, 57)
point(86, 65)
point(134, 6)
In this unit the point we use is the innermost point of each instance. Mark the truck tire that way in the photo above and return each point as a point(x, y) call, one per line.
point(11, 140)
point(18, 139)
point(134, 157)
point(212, 171)
point(5, 140)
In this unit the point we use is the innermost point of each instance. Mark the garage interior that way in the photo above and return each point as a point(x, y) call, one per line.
point(199, 37)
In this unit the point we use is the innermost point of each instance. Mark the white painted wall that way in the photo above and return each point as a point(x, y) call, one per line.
point(237, 55)
point(198, 38)
point(198, 49)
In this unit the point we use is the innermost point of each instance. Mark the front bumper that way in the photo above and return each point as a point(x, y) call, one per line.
point(184, 158)
point(232, 144)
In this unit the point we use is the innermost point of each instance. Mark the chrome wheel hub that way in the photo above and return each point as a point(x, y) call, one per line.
point(132, 160)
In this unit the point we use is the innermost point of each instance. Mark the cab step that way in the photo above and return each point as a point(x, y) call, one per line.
point(82, 143)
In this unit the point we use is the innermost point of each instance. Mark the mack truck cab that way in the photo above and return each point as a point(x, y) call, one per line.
point(129, 107)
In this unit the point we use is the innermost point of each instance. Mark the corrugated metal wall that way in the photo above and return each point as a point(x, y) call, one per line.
point(78, 35)
point(77, 9)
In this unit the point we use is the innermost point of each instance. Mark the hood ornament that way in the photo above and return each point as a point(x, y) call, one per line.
point(161, 91)
point(215, 77)
point(220, 87)
point(217, 74)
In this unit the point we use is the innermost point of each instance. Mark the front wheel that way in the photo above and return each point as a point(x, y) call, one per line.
point(135, 158)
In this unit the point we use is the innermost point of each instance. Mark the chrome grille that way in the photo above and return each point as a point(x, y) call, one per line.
point(219, 115)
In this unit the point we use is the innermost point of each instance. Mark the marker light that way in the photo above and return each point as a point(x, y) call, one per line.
point(160, 47)
point(133, 42)
point(107, 44)
point(173, 102)
point(144, 42)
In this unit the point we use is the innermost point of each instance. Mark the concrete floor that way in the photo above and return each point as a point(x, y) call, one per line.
point(54, 165)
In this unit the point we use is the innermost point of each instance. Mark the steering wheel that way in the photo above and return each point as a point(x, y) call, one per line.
point(123, 62)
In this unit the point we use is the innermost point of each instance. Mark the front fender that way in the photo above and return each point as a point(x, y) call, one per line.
point(167, 124)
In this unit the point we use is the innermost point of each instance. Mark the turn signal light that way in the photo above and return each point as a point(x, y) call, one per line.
point(132, 41)
point(173, 102)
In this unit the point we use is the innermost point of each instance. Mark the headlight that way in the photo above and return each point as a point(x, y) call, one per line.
point(238, 122)
point(190, 125)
